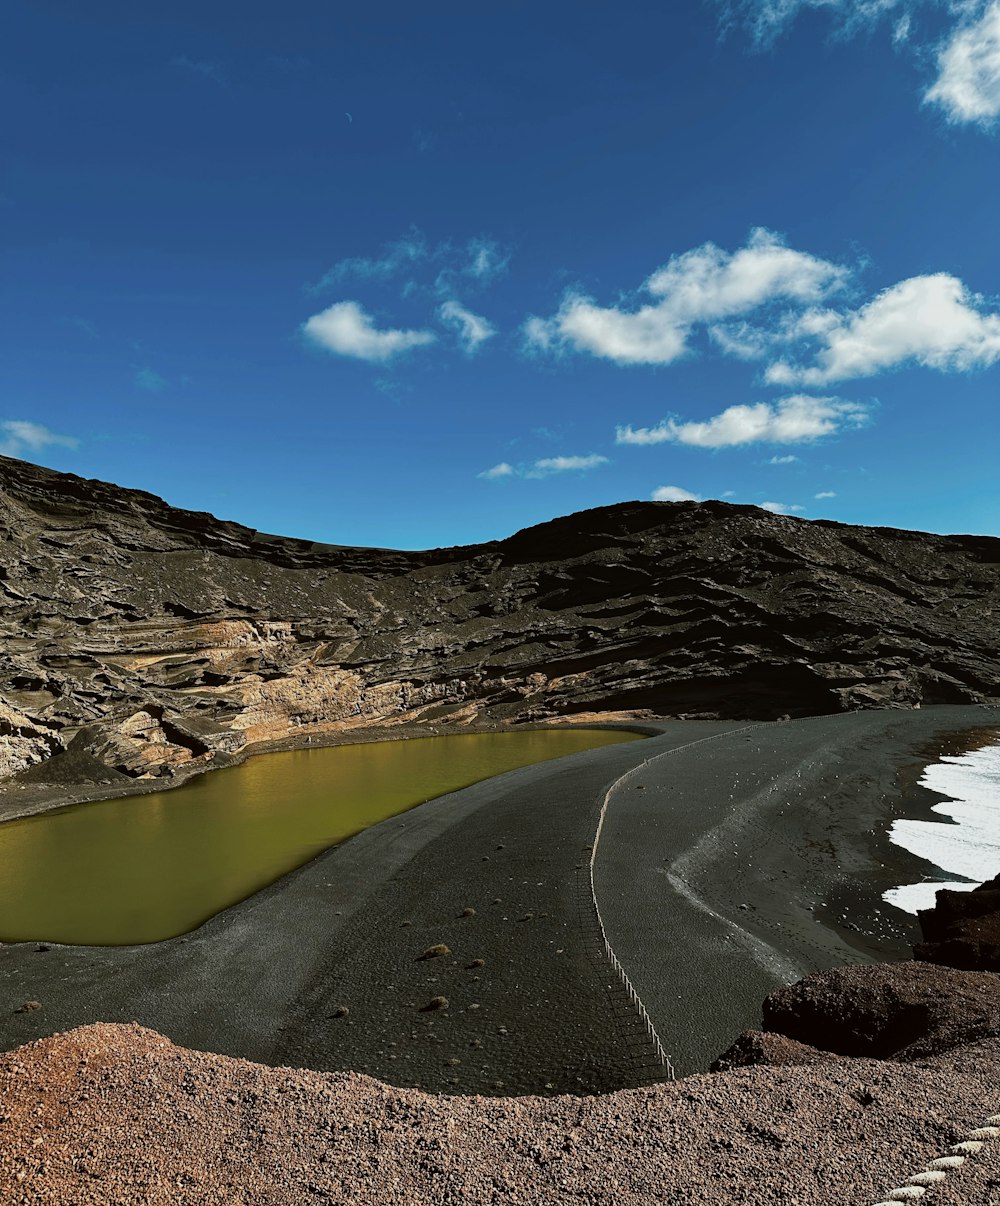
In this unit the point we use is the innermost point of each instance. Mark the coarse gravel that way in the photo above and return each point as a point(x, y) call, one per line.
point(117, 1114)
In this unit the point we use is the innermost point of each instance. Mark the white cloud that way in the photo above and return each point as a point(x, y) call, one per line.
point(778, 508)
point(346, 329)
point(565, 464)
point(968, 82)
point(933, 320)
point(501, 470)
point(790, 459)
point(791, 420)
point(472, 329)
point(825, 494)
point(701, 286)
point(18, 436)
point(967, 86)
point(545, 467)
point(674, 494)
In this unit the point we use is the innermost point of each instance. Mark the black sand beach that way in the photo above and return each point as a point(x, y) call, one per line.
point(707, 868)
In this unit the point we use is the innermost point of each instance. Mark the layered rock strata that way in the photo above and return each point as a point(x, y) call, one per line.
point(142, 640)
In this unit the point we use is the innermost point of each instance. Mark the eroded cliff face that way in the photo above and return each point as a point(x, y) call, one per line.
point(148, 639)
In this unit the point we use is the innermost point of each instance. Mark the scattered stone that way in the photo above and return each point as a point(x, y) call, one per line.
point(434, 1004)
point(340, 1012)
point(437, 951)
point(28, 1006)
point(468, 912)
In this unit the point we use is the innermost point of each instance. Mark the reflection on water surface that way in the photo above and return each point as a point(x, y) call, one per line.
point(149, 867)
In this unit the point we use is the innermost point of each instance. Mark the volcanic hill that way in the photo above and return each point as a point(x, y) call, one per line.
point(143, 640)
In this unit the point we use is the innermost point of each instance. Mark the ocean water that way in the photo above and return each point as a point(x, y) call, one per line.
point(964, 849)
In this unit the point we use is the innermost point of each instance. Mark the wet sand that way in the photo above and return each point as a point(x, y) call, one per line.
point(268, 979)
point(770, 845)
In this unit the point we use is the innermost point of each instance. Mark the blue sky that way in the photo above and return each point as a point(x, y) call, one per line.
point(423, 275)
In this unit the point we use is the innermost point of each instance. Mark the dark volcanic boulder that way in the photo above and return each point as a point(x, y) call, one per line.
point(900, 1011)
point(755, 1047)
point(963, 929)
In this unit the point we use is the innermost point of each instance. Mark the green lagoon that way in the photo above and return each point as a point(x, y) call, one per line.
point(144, 868)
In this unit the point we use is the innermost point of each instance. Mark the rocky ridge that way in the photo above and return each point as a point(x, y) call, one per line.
point(140, 640)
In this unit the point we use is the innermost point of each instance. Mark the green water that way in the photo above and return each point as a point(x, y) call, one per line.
point(144, 868)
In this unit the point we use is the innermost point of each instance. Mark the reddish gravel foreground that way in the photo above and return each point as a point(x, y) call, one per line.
point(118, 1114)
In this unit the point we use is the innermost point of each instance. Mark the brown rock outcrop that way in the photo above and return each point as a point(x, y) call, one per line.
point(148, 639)
point(899, 1011)
point(755, 1048)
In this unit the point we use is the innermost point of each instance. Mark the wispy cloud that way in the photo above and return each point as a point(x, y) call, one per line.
point(395, 257)
point(768, 19)
point(18, 436)
point(473, 330)
point(968, 82)
point(790, 459)
point(674, 494)
point(439, 269)
point(792, 420)
point(85, 326)
point(565, 464)
point(780, 508)
point(544, 467)
point(825, 494)
point(485, 260)
point(700, 287)
point(504, 469)
point(205, 68)
point(150, 380)
point(967, 85)
point(348, 330)
point(934, 321)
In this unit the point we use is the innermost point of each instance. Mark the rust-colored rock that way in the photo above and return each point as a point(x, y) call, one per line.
point(899, 1011)
point(756, 1048)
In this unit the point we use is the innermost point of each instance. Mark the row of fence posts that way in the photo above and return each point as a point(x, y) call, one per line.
point(644, 1017)
point(613, 959)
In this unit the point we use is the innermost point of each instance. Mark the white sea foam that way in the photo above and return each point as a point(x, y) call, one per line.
point(969, 846)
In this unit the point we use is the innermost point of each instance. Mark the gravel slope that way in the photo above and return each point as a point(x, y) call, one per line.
point(116, 1114)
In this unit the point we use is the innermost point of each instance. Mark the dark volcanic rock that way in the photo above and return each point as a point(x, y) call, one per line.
point(963, 929)
point(900, 1011)
point(147, 640)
